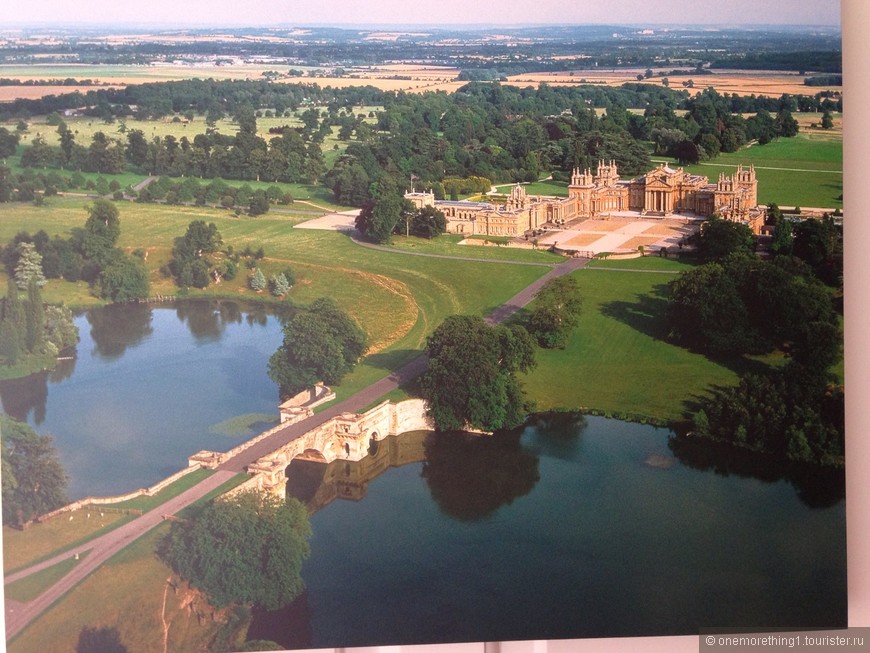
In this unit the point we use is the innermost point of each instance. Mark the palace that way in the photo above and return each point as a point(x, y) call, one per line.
point(663, 192)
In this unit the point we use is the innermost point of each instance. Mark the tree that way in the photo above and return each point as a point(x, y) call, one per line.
point(258, 280)
point(124, 279)
point(279, 285)
point(428, 222)
point(320, 344)
point(34, 314)
point(34, 481)
point(244, 549)
point(719, 239)
point(379, 218)
point(13, 327)
point(190, 263)
point(8, 143)
point(827, 120)
point(259, 203)
point(819, 243)
point(29, 267)
point(471, 379)
point(555, 312)
point(102, 229)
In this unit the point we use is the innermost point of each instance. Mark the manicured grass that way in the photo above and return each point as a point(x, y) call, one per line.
point(146, 503)
point(29, 588)
point(28, 365)
point(617, 359)
point(642, 263)
point(803, 171)
point(448, 245)
point(549, 187)
point(129, 594)
point(42, 541)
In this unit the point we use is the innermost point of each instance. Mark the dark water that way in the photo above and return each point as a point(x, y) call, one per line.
point(590, 528)
point(146, 386)
point(569, 528)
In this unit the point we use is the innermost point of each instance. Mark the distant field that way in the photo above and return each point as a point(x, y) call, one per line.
point(415, 78)
point(740, 82)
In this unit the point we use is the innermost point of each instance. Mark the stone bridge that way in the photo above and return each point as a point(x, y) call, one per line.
point(350, 436)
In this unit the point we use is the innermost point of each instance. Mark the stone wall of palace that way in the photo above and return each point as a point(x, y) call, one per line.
point(662, 191)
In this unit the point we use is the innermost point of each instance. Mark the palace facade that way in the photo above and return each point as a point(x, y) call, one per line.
point(664, 191)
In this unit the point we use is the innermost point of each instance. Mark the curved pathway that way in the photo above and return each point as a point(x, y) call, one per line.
point(19, 615)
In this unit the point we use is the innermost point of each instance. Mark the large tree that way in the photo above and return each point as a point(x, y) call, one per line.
point(124, 279)
point(555, 312)
point(190, 263)
point(745, 305)
point(719, 238)
point(381, 216)
point(245, 549)
point(321, 343)
point(34, 481)
point(471, 376)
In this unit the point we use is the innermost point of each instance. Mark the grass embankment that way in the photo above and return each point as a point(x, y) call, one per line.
point(131, 594)
point(805, 171)
point(41, 541)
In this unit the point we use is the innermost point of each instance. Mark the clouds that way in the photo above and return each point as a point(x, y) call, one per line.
point(372, 12)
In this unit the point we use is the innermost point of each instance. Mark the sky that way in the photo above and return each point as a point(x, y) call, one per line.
point(242, 13)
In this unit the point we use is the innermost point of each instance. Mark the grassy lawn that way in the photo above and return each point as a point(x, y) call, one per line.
point(128, 593)
point(801, 171)
point(548, 187)
point(41, 541)
point(448, 245)
point(617, 359)
point(29, 588)
point(398, 300)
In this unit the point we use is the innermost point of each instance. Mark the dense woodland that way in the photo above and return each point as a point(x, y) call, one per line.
point(485, 130)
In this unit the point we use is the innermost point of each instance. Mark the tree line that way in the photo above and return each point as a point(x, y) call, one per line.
point(736, 305)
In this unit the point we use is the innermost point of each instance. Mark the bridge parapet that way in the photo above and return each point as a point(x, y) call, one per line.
point(349, 436)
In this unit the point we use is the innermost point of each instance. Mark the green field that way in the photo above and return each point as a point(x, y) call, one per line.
point(544, 187)
point(618, 360)
point(804, 171)
point(398, 300)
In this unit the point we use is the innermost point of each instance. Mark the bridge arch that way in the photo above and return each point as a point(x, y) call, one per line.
point(374, 443)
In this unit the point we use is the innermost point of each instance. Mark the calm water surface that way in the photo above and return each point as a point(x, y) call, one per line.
point(148, 387)
point(590, 529)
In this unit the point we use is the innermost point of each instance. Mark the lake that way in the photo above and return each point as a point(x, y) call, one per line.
point(570, 527)
point(150, 386)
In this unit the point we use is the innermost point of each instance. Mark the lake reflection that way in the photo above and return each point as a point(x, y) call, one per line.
point(147, 388)
point(572, 527)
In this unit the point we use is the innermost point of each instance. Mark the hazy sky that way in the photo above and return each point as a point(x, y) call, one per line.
point(294, 12)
